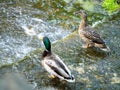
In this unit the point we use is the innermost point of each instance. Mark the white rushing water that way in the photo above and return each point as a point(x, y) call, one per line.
point(20, 33)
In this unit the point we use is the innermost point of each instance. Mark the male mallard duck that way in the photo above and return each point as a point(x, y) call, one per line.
point(54, 65)
point(89, 35)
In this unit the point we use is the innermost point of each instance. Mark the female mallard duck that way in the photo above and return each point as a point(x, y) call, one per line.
point(89, 35)
point(54, 65)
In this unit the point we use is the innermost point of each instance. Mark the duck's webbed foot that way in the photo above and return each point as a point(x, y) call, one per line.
point(51, 76)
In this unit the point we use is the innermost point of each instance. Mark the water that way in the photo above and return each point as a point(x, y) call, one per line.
point(21, 25)
point(20, 32)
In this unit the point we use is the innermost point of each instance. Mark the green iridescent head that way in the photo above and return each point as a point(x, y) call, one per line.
point(47, 43)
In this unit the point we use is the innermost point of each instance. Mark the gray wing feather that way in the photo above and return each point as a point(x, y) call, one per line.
point(59, 66)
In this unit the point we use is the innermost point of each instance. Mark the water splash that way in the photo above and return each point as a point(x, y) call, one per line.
point(20, 32)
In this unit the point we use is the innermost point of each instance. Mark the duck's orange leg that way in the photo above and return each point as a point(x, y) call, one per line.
point(51, 76)
point(85, 46)
point(91, 44)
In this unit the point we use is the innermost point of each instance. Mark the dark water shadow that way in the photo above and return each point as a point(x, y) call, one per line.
point(63, 85)
point(96, 52)
point(43, 81)
point(93, 52)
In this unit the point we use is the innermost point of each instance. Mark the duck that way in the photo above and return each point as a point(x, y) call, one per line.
point(53, 63)
point(90, 36)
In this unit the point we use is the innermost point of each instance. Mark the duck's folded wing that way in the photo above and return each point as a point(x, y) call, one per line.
point(93, 36)
point(57, 68)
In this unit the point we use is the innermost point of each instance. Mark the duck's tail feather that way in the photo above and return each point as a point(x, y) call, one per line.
point(106, 49)
point(103, 47)
point(70, 79)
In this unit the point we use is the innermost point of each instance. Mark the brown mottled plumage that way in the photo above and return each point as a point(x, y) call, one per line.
point(89, 35)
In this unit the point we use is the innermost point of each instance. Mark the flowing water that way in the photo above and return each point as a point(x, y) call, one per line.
point(22, 23)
